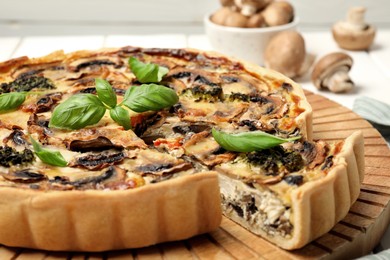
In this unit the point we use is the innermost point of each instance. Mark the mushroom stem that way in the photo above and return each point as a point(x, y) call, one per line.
point(339, 81)
point(355, 18)
point(248, 10)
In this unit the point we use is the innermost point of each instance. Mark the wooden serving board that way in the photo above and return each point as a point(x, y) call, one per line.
point(356, 235)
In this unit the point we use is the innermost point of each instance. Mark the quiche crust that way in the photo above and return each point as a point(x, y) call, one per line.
point(323, 203)
point(106, 220)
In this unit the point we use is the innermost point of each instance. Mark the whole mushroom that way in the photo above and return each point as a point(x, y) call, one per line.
point(331, 72)
point(250, 7)
point(286, 53)
point(278, 13)
point(228, 3)
point(354, 33)
point(256, 21)
point(227, 17)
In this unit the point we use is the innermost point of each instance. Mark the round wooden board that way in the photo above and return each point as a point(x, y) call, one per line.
point(356, 235)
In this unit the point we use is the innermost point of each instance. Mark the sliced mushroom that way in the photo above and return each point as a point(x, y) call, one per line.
point(109, 173)
point(293, 179)
point(306, 149)
point(93, 62)
point(24, 176)
point(328, 163)
point(114, 134)
point(112, 178)
point(39, 69)
point(96, 161)
point(97, 144)
point(286, 53)
point(354, 33)
point(17, 136)
point(331, 72)
point(39, 124)
point(45, 103)
point(164, 168)
point(278, 13)
point(193, 128)
point(145, 124)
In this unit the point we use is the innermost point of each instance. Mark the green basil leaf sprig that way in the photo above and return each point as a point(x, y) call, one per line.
point(54, 158)
point(121, 116)
point(149, 97)
point(147, 72)
point(11, 101)
point(105, 92)
point(82, 110)
point(77, 112)
point(248, 141)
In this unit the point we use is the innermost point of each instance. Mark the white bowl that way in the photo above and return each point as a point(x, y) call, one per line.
point(243, 43)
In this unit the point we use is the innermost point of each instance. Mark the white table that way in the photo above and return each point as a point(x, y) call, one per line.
point(370, 72)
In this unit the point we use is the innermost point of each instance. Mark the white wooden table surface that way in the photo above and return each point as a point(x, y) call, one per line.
point(370, 72)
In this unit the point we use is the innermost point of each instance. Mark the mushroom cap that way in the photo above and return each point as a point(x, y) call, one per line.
point(278, 13)
point(286, 53)
point(236, 19)
point(226, 2)
point(256, 21)
point(328, 65)
point(227, 17)
point(220, 16)
point(353, 39)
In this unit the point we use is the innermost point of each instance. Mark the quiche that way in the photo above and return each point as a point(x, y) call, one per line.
point(129, 147)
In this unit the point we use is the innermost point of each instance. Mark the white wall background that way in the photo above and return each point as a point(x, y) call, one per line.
point(91, 17)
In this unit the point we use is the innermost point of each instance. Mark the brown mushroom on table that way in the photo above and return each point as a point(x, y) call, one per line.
point(286, 53)
point(278, 13)
point(227, 17)
point(354, 33)
point(331, 72)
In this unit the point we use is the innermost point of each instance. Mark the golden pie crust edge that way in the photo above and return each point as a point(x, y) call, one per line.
point(94, 220)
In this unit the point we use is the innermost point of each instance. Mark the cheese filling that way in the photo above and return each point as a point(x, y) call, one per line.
point(258, 211)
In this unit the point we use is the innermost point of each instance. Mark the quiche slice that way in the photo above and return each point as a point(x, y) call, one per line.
point(292, 195)
point(145, 177)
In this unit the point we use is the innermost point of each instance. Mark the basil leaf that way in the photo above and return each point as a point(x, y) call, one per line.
point(147, 73)
point(77, 112)
point(248, 141)
point(54, 158)
point(11, 101)
point(105, 92)
point(121, 116)
point(149, 97)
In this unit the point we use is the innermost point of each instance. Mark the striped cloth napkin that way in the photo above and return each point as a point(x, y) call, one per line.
point(376, 112)
point(384, 255)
